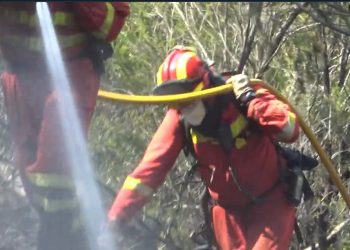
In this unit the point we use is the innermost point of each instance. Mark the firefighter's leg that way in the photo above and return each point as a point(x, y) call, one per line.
point(228, 229)
point(39, 145)
point(51, 154)
point(24, 111)
point(270, 224)
point(61, 227)
point(53, 158)
point(56, 221)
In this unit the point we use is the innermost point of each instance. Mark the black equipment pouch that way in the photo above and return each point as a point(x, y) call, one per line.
point(99, 51)
point(293, 179)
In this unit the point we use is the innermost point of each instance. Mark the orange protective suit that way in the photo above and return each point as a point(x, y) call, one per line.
point(238, 223)
point(32, 104)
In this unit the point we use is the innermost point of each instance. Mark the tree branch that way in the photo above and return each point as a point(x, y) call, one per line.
point(325, 63)
point(277, 42)
point(331, 237)
point(343, 63)
point(322, 18)
point(255, 10)
point(194, 37)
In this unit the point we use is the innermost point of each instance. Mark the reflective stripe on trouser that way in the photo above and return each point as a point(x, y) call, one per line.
point(46, 189)
point(36, 43)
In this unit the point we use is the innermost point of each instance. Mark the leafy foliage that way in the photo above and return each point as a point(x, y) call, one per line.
point(301, 57)
point(301, 49)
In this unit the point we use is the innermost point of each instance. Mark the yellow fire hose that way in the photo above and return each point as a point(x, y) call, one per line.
point(179, 98)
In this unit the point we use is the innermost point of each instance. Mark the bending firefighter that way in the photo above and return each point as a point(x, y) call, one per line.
point(84, 31)
point(233, 140)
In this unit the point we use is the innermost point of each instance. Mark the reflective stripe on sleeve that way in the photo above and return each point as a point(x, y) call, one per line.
point(288, 129)
point(107, 24)
point(135, 184)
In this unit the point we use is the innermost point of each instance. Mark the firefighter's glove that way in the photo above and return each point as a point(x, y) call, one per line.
point(240, 84)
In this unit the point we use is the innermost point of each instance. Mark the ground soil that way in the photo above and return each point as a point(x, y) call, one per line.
point(18, 221)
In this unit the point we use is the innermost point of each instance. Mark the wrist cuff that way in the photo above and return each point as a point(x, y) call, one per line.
point(247, 97)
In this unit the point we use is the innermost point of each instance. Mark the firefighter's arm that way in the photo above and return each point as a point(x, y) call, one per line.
point(274, 116)
point(103, 19)
point(158, 159)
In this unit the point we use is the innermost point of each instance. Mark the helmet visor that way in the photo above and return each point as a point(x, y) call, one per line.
point(176, 86)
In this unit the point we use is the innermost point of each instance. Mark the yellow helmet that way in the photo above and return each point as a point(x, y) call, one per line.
point(182, 71)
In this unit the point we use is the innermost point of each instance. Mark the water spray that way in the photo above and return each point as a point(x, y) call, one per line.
point(93, 214)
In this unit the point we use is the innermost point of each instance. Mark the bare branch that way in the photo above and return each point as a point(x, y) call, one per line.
point(194, 37)
point(343, 63)
point(222, 34)
point(277, 42)
point(322, 18)
point(339, 10)
point(332, 235)
point(255, 10)
point(325, 63)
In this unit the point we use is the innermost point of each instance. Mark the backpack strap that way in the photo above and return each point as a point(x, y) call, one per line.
point(188, 147)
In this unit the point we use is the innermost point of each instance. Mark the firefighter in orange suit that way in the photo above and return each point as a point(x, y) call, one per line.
point(241, 172)
point(81, 28)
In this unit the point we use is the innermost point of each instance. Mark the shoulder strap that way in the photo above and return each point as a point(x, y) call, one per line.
point(188, 147)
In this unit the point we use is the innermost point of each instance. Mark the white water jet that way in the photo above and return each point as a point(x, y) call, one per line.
point(83, 175)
